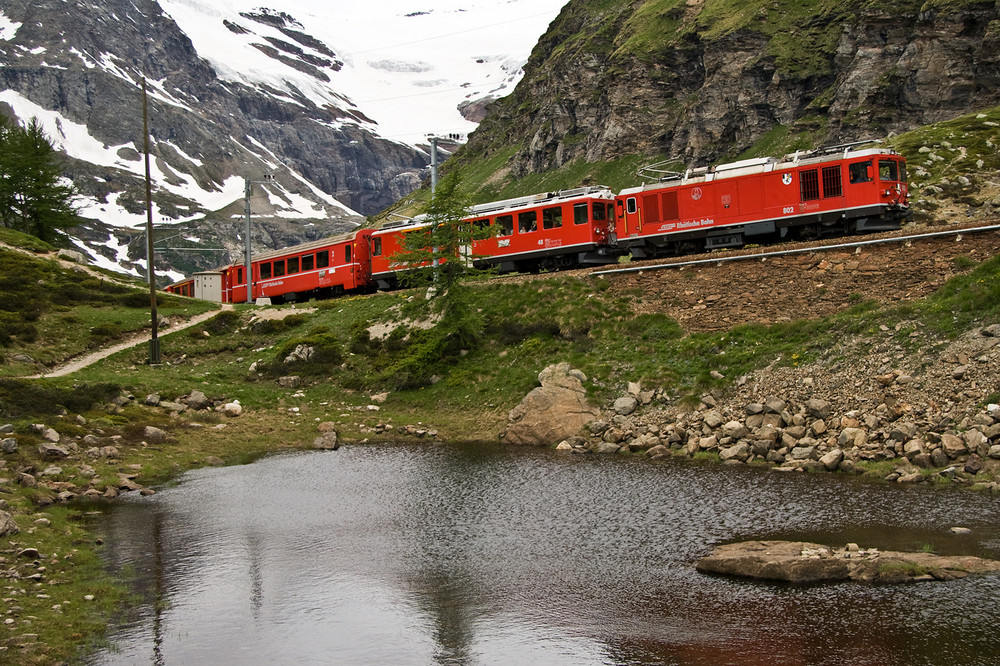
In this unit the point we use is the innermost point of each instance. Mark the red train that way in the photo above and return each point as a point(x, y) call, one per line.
point(842, 189)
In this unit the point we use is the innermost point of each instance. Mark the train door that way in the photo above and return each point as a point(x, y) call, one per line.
point(629, 216)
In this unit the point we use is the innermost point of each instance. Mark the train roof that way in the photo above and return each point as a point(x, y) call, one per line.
point(758, 165)
point(494, 207)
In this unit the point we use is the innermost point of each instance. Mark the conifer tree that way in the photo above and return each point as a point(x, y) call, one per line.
point(439, 255)
point(34, 199)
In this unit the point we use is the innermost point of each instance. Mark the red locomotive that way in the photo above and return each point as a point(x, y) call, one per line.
point(841, 189)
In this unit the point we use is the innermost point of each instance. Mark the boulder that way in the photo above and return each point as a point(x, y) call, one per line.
point(803, 562)
point(8, 445)
point(556, 410)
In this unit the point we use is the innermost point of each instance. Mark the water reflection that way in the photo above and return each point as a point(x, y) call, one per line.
point(481, 555)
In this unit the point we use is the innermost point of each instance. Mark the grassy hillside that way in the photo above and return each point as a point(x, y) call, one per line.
point(50, 313)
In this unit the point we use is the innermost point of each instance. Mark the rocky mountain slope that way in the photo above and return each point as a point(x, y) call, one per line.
point(703, 81)
point(237, 91)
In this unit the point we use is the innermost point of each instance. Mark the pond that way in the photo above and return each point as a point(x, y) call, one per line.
point(477, 554)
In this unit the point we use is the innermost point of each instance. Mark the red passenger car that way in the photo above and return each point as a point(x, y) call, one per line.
point(550, 230)
point(842, 189)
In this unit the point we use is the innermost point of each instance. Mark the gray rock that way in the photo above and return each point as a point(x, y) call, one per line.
point(740, 452)
point(289, 382)
point(626, 405)
point(953, 445)
point(8, 445)
point(327, 441)
point(50, 450)
point(7, 524)
point(172, 406)
point(831, 461)
point(6, 428)
point(197, 400)
point(153, 399)
point(817, 408)
point(995, 452)
point(713, 419)
point(803, 453)
point(154, 435)
point(774, 406)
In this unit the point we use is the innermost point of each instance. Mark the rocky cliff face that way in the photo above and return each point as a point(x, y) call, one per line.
point(83, 63)
point(702, 81)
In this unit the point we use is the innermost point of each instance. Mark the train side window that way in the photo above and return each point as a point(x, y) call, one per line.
point(376, 247)
point(293, 265)
point(347, 254)
point(265, 271)
point(580, 213)
point(239, 275)
point(809, 185)
point(527, 222)
point(833, 185)
point(860, 172)
point(630, 205)
point(887, 170)
point(307, 262)
point(552, 217)
point(322, 259)
point(506, 224)
point(279, 268)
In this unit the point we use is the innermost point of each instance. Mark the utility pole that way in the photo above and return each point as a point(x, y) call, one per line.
point(247, 185)
point(434, 163)
point(154, 342)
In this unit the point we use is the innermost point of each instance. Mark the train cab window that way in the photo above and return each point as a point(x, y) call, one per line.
point(322, 259)
point(552, 218)
point(293, 265)
point(307, 262)
point(580, 215)
point(809, 185)
point(376, 247)
point(630, 205)
point(279, 268)
point(832, 183)
point(599, 214)
point(347, 254)
point(527, 222)
point(887, 170)
point(265, 271)
point(506, 224)
point(860, 172)
point(611, 212)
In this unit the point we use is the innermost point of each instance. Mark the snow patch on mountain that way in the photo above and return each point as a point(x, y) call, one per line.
point(405, 67)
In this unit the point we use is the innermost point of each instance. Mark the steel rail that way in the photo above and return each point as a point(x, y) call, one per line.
point(801, 250)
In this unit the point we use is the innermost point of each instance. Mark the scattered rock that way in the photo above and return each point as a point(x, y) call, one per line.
point(327, 441)
point(7, 524)
point(154, 435)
